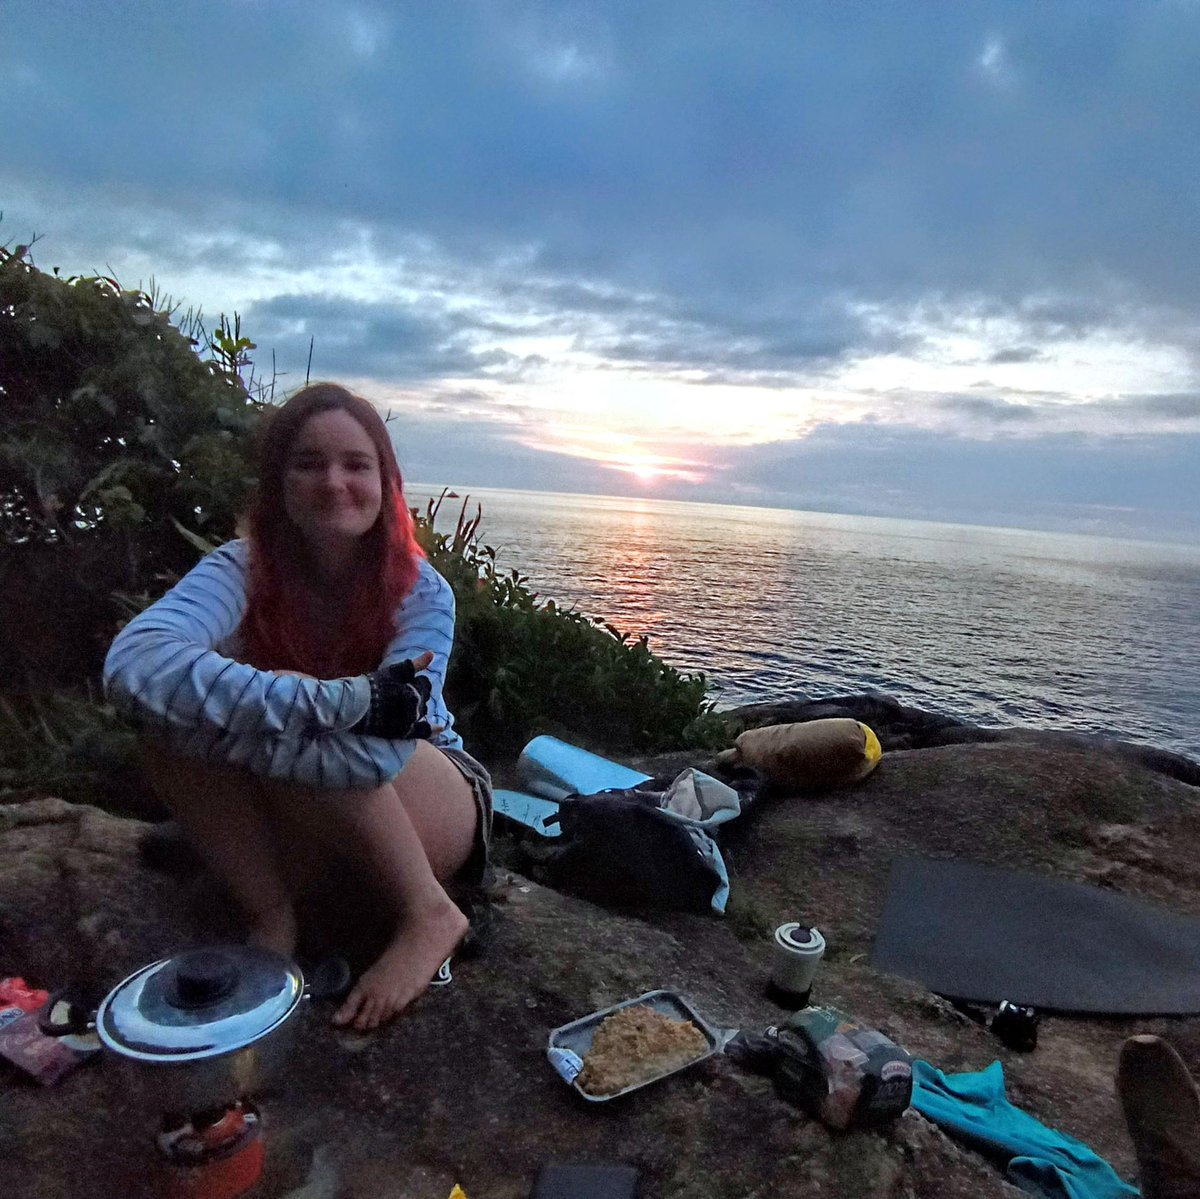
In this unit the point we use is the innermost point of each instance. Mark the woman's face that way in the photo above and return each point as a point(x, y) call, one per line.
point(332, 487)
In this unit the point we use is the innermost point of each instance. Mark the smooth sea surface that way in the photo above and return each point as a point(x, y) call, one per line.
point(994, 626)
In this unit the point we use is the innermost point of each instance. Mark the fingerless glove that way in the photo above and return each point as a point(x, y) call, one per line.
point(398, 699)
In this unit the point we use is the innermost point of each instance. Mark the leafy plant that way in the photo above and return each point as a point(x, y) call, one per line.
point(114, 434)
point(74, 746)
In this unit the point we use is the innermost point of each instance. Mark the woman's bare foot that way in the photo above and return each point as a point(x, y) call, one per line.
point(404, 969)
point(275, 929)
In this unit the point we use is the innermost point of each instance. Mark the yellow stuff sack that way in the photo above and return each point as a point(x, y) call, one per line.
point(811, 755)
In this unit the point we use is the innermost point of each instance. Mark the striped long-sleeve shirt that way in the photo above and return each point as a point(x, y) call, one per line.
point(172, 668)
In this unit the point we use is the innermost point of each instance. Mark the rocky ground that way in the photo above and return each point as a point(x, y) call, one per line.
point(458, 1089)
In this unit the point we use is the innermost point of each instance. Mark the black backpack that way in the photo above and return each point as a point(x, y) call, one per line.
point(621, 848)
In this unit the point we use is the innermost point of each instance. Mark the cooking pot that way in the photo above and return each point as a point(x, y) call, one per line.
point(204, 1028)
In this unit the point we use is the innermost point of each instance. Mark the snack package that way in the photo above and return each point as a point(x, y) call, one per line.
point(22, 1042)
point(845, 1074)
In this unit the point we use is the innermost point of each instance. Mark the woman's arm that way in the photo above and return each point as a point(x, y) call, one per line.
point(425, 623)
point(163, 668)
point(164, 671)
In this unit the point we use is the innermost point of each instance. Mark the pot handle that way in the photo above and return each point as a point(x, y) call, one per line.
point(64, 1016)
point(330, 979)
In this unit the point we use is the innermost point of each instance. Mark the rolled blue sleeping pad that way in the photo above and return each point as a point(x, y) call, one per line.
point(553, 769)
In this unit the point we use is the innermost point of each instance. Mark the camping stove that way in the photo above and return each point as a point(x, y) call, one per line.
point(215, 1154)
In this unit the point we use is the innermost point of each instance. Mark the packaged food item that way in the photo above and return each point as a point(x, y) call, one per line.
point(16, 996)
point(22, 1042)
point(842, 1072)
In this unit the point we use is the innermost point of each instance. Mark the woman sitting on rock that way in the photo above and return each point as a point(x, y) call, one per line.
point(290, 692)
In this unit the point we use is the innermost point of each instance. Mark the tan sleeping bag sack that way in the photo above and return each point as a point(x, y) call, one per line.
point(812, 754)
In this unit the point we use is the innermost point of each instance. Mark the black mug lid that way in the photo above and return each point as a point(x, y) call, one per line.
point(798, 936)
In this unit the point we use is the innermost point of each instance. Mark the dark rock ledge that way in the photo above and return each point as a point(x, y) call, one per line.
point(902, 727)
point(459, 1090)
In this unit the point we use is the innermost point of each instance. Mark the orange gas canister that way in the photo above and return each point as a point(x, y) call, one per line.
point(218, 1155)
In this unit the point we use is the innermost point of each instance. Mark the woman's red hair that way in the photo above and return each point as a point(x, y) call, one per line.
point(275, 633)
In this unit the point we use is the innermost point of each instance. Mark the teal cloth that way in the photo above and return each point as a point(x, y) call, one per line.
point(1042, 1161)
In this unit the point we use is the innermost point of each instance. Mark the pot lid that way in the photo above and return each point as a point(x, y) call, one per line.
point(199, 1004)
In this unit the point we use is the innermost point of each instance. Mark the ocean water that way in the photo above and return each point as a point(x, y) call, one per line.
point(994, 626)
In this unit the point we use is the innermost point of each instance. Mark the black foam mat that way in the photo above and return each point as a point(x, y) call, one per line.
point(985, 933)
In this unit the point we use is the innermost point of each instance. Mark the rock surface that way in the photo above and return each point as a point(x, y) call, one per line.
point(458, 1089)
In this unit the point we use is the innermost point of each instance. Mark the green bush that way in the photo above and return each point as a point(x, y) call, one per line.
point(114, 436)
point(71, 745)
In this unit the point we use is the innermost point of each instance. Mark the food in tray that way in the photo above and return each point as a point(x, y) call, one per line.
point(635, 1045)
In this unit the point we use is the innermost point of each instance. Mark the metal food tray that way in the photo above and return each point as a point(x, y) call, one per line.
point(577, 1036)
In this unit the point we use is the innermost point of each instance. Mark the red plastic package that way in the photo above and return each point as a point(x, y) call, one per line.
point(16, 993)
point(24, 1044)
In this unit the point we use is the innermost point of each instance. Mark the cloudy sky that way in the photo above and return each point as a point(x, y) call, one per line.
point(918, 259)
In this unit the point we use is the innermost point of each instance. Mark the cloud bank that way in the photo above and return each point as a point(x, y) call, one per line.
point(693, 248)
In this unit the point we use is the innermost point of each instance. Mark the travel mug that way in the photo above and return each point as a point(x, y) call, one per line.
point(798, 950)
